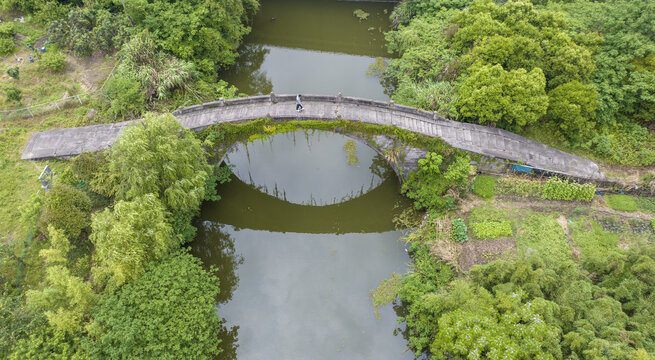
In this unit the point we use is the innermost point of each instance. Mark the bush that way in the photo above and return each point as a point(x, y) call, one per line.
point(559, 189)
point(66, 208)
point(14, 72)
point(13, 93)
point(7, 46)
point(428, 185)
point(621, 202)
point(53, 61)
point(459, 230)
point(484, 186)
point(127, 98)
point(7, 30)
point(519, 187)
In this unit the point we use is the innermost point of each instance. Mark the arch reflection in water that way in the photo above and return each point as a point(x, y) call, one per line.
point(308, 167)
point(295, 278)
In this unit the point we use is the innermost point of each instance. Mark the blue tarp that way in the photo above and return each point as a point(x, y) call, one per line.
point(522, 168)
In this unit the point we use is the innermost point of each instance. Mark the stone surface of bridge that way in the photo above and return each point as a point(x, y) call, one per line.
point(491, 142)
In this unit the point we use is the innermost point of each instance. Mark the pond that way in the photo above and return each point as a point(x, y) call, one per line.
point(301, 235)
point(313, 47)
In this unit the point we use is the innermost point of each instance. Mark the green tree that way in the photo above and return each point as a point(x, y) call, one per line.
point(65, 208)
point(127, 237)
point(126, 97)
point(205, 32)
point(169, 312)
point(157, 72)
point(573, 107)
point(158, 156)
point(88, 29)
point(428, 185)
point(494, 327)
point(66, 300)
point(566, 61)
point(46, 342)
point(511, 99)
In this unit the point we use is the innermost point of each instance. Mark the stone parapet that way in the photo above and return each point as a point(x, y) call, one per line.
point(491, 142)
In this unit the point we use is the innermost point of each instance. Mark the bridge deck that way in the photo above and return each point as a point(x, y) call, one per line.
point(470, 137)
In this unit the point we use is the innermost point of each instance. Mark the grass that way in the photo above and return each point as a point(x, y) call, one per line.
point(595, 243)
point(484, 186)
point(19, 178)
point(487, 214)
point(540, 234)
point(621, 202)
point(645, 204)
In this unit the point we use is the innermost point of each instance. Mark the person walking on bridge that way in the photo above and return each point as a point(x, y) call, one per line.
point(299, 107)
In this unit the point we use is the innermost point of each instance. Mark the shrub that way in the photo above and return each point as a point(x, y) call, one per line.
point(459, 230)
point(560, 189)
point(7, 46)
point(66, 208)
point(519, 187)
point(14, 93)
point(13, 72)
point(428, 185)
point(7, 30)
point(621, 202)
point(491, 229)
point(53, 61)
point(484, 186)
point(127, 98)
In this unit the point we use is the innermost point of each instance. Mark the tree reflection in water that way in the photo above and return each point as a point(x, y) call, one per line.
point(212, 243)
point(247, 66)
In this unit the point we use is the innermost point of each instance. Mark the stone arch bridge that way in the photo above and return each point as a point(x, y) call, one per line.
point(490, 142)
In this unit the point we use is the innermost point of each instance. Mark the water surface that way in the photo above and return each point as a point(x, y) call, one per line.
point(295, 277)
point(312, 46)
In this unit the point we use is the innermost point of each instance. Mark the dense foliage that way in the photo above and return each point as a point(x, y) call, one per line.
point(66, 208)
point(156, 176)
point(552, 189)
point(136, 322)
point(577, 73)
point(158, 156)
point(436, 183)
point(530, 308)
point(204, 32)
point(128, 237)
point(89, 29)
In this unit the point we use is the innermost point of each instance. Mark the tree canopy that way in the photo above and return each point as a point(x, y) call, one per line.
point(136, 321)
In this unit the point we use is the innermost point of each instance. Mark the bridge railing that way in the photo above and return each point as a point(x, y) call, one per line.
point(274, 98)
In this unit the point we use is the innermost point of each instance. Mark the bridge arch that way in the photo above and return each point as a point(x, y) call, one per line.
point(490, 142)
